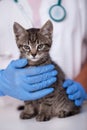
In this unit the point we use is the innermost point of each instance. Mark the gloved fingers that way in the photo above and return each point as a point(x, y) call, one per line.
point(39, 86)
point(38, 94)
point(32, 71)
point(40, 78)
point(78, 102)
point(67, 83)
point(43, 84)
point(75, 96)
point(72, 89)
point(19, 63)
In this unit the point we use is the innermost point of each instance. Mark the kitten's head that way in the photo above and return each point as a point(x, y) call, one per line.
point(34, 44)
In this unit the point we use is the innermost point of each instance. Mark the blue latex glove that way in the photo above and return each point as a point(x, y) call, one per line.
point(75, 91)
point(26, 83)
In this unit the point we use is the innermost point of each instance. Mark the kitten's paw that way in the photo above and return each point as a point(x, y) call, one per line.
point(42, 117)
point(63, 114)
point(25, 115)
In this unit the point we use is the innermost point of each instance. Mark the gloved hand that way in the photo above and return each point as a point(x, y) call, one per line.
point(26, 83)
point(75, 91)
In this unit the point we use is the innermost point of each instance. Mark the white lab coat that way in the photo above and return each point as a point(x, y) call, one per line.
point(69, 48)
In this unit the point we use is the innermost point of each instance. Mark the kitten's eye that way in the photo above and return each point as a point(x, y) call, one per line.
point(41, 46)
point(26, 47)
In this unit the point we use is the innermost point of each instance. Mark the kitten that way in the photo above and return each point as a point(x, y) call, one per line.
point(34, 44)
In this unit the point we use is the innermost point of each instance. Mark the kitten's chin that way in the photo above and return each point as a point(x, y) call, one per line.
point(33, 62)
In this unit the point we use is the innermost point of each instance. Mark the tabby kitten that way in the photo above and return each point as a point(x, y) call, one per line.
point(34, 44)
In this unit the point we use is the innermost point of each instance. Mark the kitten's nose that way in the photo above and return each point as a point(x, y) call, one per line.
point(34, 55)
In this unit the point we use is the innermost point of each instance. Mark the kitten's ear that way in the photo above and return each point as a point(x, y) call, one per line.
point(19, 31)
point(47, 29)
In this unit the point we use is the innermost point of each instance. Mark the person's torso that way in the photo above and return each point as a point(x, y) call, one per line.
point(67, 35)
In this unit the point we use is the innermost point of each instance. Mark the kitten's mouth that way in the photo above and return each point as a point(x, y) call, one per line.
point(34, 59)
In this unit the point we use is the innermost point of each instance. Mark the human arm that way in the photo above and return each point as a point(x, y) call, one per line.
point(82, 77)
point(26, 83)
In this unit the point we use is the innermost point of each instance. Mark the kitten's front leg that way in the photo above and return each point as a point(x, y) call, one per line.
point(28, 112)
point(44, 113)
